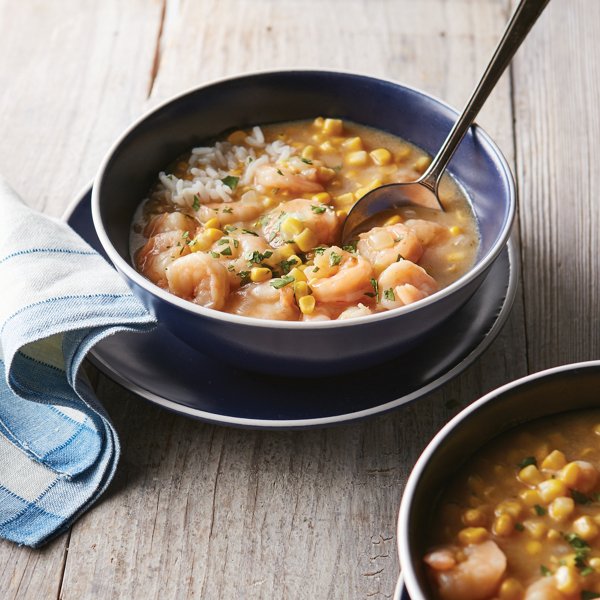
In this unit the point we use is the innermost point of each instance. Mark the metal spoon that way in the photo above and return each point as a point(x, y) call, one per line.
point(424, 191)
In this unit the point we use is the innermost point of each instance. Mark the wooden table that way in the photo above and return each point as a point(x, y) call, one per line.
point(199, 511)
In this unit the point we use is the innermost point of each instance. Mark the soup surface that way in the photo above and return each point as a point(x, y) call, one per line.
point(251, 225)
point(522, 519)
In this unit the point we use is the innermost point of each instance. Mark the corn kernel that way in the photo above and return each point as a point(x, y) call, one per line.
point(200, 244)
point(381, 156)
point(509, 507)
point(213, 234)
point(307, 304)
point(322, 197)
point(455, 230)
point(551, 489)
point(341, 214)
point(237, 137)
point(327, 147)
point(472, 535)
point(511, 589)
point(300, 289)
point(554, 461)
point(393, 220)
point(585, 528)
point(318, 122)
point(269, 202)
point(212, 223)
point(474, 517)
point(570, 473)
point(553, 535)
point(533, 547)
point(333, 126)
point(530, 475)
point(353, 143)
point(536, 529)
point(503, 525)
point(291, 226)
point(326, 174)
point(561, 508)
point(308, 153)
point(295, 260)
point(422, 163)
point(530, 497)
point(344, 201)
point(258, 274)
point(360, 192)
point(306, 240)
point(297, 274)
point(356, 159)
point(567, 579)
point(284, 252)
point(577, 476)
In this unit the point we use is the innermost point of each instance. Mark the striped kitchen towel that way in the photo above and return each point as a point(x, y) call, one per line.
point(58, 448)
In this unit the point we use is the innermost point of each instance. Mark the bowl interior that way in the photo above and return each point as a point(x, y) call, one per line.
point(191, 119)
point(555, 391)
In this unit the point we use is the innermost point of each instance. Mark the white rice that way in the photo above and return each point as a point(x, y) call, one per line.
point(209, 165)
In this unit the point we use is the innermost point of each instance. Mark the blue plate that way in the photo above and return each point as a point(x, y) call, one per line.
point(166, 371)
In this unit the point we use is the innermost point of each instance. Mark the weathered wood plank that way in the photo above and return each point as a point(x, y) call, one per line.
point(72, 75)
point(204, 512)
point(557, 86)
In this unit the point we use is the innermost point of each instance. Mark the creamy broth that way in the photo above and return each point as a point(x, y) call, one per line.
point(534, 494)
point(251, 225)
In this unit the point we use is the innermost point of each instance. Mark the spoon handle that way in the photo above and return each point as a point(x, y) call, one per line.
point(525, 15)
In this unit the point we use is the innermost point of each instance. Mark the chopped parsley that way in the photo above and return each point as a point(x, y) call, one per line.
point(335, 259)
point(257, 257)
point(580, 498)
point(375, 289)
point(586, 595)
point(280, 172)
point(226, 251)
point(281, 282)
point(236, 243)
point(389, 294)
point(338, 168)
point(319, 250)
point(351, 247)
point(305, 160)
point(230, 228)
point(545, 571)
point(244, 276)
point(249, 232)
point(196, 204)
point(315, 269)
point(223, 241)
point(582, 549)
point(529, 460)
point(287, 265)
point(230, 181)
point(185, 235)
point(319, 210)
point(519, 527)
point(576, 542)
point(214, 254)
point(228, 209)
point(540, 511)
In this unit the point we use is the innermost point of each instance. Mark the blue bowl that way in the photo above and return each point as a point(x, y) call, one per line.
point(283, 347)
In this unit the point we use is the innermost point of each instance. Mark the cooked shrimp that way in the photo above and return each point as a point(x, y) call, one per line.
point(428, 232)
point(247, 251)
point(544, 589)
point(338, 276)
point(475, 578)
point(403, 283)
point(262, 300)
point(355, 311)
point(200, 278)
point(232, 212)
point(321, 220)
point(173, 221)
point(282, 178)
point(158, 253)
point(382, 246)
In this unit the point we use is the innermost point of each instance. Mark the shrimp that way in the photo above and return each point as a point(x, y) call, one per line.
point(323, 222)
point(158, 253)
point(403, 283)
point(339, 277)
point(477, 577)
point(200, 278)
point(428, 232)
point(263, 301)
point(355, 311)
point(545, 589)
point(284, 179)
point(247, 251)
point(232, 212)
point(382, 246)
point(173, 221)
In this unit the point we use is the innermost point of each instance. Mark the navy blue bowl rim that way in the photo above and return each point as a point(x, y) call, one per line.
point(408, 576)
point(124, 267)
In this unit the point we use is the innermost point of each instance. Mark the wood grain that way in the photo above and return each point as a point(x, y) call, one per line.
point(200, 511)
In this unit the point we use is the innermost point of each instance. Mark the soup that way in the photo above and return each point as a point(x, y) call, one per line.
point(251, 225)
point(522, 519)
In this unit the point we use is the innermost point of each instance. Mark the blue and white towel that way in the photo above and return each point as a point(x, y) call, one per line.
point(58, 297)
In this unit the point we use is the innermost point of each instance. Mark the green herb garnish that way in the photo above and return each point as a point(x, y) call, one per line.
point(223, 241)
point(375, 288)
point(196, 204)
point(351, 247)
point(215, 254)
point(389, 294)
point(540, 511)
point(586, 595)
point(230, 228)
point(281, 282)
point(231, 182)
point(546, 572)
point(335, 259)
point(529, 460)
point(244, 276)
point(257, 257)
point(519, 527)
point(228, 210)
point(249, 232)
point(305, 160)
point(319, 210)
point(226, 252)
point(319, 250)
point(580, 498)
